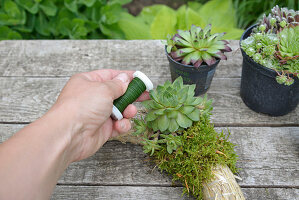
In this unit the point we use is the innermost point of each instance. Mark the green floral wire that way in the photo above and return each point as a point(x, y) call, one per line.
point(135, 89)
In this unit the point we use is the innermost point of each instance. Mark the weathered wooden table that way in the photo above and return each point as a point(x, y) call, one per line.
point(32, 73)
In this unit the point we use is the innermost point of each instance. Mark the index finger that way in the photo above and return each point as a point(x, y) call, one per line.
point(106, 74)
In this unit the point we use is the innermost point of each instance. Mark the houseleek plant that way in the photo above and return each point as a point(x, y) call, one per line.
point(274, 43)
point(175, 130)
point(197, 46)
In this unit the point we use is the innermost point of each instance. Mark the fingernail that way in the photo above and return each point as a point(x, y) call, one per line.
point(123, 77)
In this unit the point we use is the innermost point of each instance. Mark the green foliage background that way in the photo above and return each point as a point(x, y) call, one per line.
point(156, 22)
point(60, 19)
point(96, 19)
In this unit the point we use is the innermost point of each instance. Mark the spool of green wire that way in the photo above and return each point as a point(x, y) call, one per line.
point(137, 86)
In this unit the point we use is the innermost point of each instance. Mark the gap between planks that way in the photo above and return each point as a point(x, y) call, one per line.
point(167, 185)
point(215, 125)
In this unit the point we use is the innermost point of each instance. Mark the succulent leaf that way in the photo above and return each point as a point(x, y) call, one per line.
point(186, 109)
point(173, 125)
point(163, 123)
point(183, 120)
point(151, 116)
point(194, 115)
point(197, 46)
point(172, 107)
point(275, 44)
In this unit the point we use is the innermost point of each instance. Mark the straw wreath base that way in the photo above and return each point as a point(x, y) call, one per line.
point(222, 187)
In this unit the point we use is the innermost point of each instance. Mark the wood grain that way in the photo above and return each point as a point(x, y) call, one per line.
point(32, 73)
point(24, 99)
point(67, 57)
point(267, 157)
point(161, 193)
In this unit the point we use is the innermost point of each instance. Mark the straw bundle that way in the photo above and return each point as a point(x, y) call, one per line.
point(222, 187)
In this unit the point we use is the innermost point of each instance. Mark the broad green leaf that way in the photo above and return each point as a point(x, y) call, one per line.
point(41, 25)
point(111, 13)
point(29, 26)
point(91, 26)
point(164, 23)
point(12, 14)
point(65, 26)
point(194, 18)
point(194, 5)
point(93, 13)
point(78, 29)
point(163, 123)
point(88, 3)
point(112, 31)
point(183, 121)
point(30, 5)
point(7, 34)
point(220, 13)
point(149, 13)
point(134, 28)
point(181, 18)
point(231, 34)
point(65, 13)
point(13, 35)
point(121, 2)
point(7, 20)
point(48, 7)
point(12, 9)
point(71, 5)
point(79, 33)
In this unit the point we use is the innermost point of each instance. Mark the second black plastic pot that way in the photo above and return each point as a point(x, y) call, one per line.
point(201, 76)
point(261, 92)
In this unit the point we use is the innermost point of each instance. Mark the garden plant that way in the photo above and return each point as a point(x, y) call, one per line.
point(275, 44)
point(98, 19)
point(194, 54)
point(270, 72)
point(175, 130)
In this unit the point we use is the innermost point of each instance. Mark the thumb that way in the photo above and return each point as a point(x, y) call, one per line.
point(118, 85)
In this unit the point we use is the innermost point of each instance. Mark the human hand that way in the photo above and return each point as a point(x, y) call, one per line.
point(86, 104)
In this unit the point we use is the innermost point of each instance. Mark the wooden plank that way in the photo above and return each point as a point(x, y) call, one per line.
point(267, 157)
point(153, 193)
point(24, 99)
point(117, 193)
point(67, 57)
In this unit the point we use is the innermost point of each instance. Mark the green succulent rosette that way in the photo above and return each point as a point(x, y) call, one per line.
point(197, 46)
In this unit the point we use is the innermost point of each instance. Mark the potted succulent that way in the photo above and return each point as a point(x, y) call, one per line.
point(270, 69)
point(194, 55)
point(175, 130)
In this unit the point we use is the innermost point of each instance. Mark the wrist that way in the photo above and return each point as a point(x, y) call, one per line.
point(63, 120)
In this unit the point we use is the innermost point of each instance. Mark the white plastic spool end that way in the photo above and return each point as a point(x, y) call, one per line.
point(116, 114)
point(147, 82)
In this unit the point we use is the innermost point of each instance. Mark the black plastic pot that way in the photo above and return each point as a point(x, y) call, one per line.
point(260, 91)
point(201, 76)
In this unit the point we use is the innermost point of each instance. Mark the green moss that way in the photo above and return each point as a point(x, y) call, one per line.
point(202, 148)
